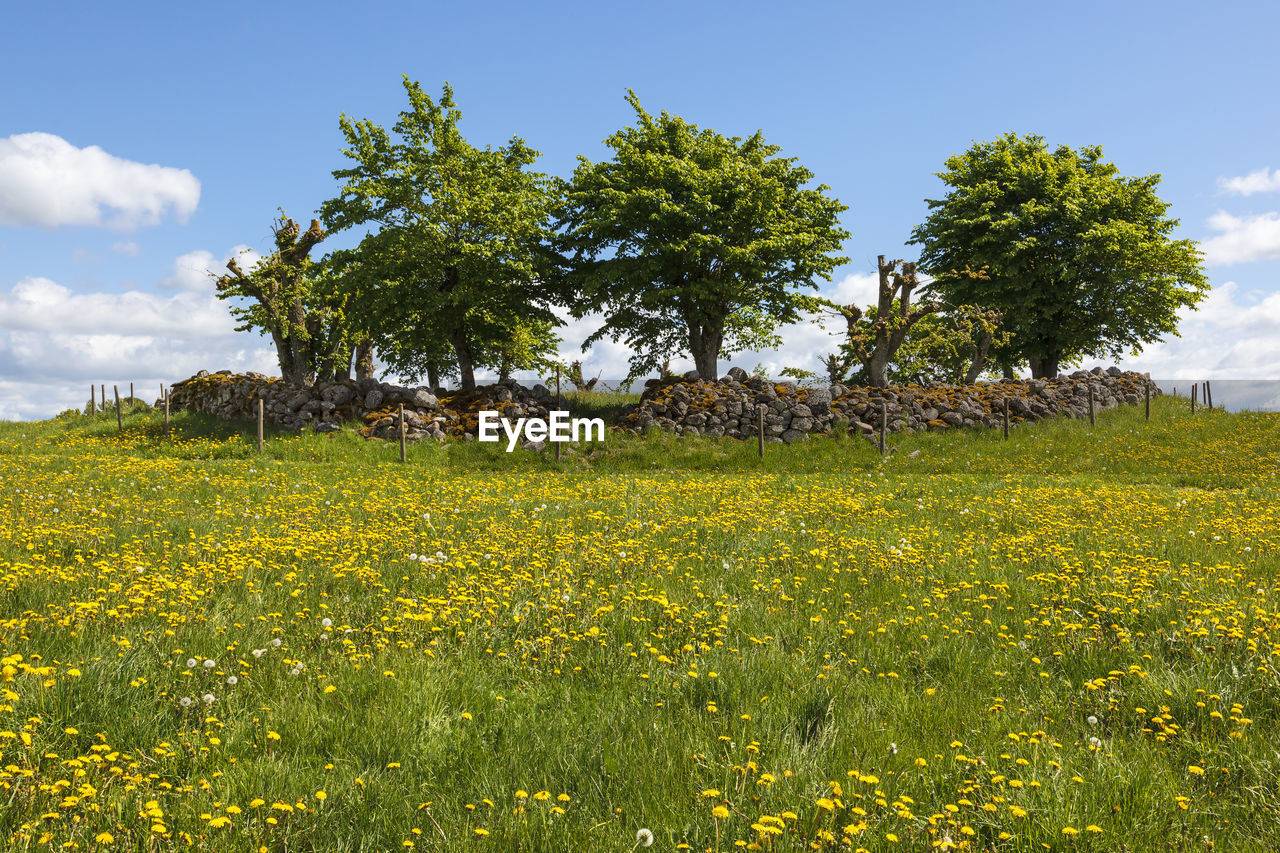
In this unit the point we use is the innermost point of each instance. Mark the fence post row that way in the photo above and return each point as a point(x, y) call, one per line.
point(119, 419)
point(1193, 397)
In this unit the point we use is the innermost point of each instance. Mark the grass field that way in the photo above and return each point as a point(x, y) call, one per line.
point(1066, 641)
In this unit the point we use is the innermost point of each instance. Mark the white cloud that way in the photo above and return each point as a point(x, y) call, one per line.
point(195, 271)
point(126, 247)
point(1243, 239)
point(1261, 181)
point(1232, 336)
point(54, 343)
point(47, 181)
point(43, 306)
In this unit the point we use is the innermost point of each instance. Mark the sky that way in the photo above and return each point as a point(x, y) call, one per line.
point(141, 144)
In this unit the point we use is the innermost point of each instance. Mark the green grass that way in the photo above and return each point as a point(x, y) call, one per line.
point(932, 627)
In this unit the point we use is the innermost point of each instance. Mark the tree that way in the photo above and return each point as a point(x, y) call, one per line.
point(1081, 260)
point(459, 249)
point(953, 347)
point(293, 302)
point(873, 338)
point(688, 241)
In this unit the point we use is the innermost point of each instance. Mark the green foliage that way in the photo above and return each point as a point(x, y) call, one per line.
point(947, 347)
point(296, 301)
point(1081, 259)
point(458, 257)
point(688, 241)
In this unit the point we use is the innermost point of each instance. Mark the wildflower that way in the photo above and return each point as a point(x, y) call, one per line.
point(185, 701)
point(644, 837)
point(191, 663)
point(1092, 720)
point(208, 698)
point(275, 642)
point(720, 812)
point(210, 664)
point(232, 680)
point(326, 622)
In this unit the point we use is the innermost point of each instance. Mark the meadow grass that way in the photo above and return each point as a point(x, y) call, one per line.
point(1064, 641)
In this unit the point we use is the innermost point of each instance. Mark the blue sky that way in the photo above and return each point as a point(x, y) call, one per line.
point(168, 134)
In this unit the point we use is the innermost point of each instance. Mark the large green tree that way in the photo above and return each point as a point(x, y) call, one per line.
point(688, 241)
point(1081, 260)
point(459, 245)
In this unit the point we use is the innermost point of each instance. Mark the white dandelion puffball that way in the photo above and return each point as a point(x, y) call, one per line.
point(185, 701)
point(413, 557)
point(326, 622)
point(191, 663)
point(644, 837)
point(232, 680)
point(275, 643)
point(257, 653)
point(208, 698)
point(1094, 742)
point(1091, 720)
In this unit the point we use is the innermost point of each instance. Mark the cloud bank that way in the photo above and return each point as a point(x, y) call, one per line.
point(48, 182)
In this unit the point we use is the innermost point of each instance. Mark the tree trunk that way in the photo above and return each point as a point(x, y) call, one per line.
point(504, 368)
point(878, 369)
point(433, 378)
point(979, 359)
point(364, 359)
point(304, 368)
point(462, 348)
point(704, 346)
point(1044, 368)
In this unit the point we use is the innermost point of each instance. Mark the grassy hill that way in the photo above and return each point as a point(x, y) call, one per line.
point(1064, 641)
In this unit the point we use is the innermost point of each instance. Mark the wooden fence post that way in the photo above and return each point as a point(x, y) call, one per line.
point(93, 399)
point(260, 419)
point(760, 433)
point(884, 421)
point(131, 394)
point(402, 456)
point(1006, 418)
point(1193, 397)
point(1091, 421)
point(119, 420)
point(166, 414)
point(1208, 393)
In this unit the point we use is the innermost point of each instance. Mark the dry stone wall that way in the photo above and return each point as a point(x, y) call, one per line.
point(730, 407)
point(685, 406)
point(324, 408)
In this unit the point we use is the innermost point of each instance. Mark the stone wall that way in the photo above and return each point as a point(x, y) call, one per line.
point(684, 406)
point(729, 407)
point(323, 408)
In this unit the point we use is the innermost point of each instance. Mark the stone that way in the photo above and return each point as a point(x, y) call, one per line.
point(791, 436)
point(338, 395)
point(737, 374)
point(373, 399)
point(424, 399)
point(819, 401)
point(297, 400)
